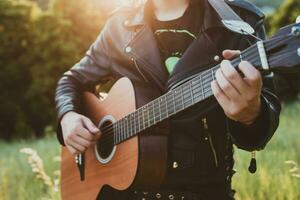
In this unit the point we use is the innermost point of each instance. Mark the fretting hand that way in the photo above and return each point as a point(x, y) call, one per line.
point(238, 96)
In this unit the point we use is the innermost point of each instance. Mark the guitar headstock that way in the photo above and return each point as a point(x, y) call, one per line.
point(283, 50)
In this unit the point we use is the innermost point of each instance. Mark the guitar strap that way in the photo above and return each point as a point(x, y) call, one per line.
point(230, 19)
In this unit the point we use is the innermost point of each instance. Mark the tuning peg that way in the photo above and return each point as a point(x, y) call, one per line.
point(298, 19)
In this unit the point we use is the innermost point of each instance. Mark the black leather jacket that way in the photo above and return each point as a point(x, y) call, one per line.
point(126, 47)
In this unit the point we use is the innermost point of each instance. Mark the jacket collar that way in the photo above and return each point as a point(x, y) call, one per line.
point(150, 56)
point(142, 12)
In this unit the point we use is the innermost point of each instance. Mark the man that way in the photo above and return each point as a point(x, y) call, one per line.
point(154, 45)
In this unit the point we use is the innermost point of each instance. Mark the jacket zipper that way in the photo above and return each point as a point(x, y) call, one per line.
point(139, 70)
point(211, 144)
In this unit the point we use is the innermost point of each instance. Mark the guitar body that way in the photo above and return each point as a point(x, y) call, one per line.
point(134, 161)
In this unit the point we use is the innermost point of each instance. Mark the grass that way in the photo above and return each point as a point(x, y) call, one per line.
point(17, 180)
point(273, 179)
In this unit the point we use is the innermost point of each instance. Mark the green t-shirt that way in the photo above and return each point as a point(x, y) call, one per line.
point(173, 37)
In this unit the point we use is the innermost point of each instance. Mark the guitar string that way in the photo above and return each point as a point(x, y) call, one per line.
point(205, 73)
point(133, 125)
point(268, 45)
point(108, 135)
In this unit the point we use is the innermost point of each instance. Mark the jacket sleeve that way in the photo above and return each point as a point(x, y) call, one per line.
point(91, 70)
point(257, 135)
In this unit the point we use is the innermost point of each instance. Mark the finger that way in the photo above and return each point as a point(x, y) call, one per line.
point(90, 125)
point(79, 148)
point(234, 77)
point(252, 75)
point(81, 141)
point(228, 54)
point(72, 150)
point(226, 86)
point(222, 99)
point(84, 133)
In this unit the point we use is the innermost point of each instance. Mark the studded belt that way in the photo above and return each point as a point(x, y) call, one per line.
point(164, 195)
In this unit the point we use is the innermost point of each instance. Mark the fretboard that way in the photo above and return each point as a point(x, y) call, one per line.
point(182, 97)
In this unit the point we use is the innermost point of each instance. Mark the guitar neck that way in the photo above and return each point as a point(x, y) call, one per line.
point(182, 97)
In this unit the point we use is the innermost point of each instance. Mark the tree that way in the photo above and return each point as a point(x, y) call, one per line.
point(36, 48)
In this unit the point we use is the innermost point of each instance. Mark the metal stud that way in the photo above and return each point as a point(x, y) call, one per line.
point(298, 52)
point(171, 196)
point(206, 138)
point(128, 49)
point(217, 58)
point(175, 165)
point(158, 195)
point(228, 178)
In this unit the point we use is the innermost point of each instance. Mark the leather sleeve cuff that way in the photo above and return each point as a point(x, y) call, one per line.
point(256, 135)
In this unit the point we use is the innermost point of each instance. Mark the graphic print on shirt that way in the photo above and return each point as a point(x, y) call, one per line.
point(173, 43)
point(173, 37)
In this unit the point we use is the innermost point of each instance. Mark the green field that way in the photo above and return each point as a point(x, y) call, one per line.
point(273, 179)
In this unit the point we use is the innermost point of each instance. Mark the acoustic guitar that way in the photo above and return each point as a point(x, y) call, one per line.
point(125, 154)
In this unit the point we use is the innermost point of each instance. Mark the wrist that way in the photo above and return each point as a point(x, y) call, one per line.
point(253, 114)
point(66, 116)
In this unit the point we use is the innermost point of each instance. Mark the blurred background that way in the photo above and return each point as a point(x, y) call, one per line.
point(40, 39)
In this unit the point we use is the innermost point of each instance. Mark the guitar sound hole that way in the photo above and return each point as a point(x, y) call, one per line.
point(105, 145)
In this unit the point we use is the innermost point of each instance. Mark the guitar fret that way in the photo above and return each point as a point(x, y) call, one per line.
point(170, 103)
point(181, 89)
point(166, 102)
point(186, 96)
point(156, 110)
point(163, 107)
point(178, 100)
point(196, 89)
point(173, 99)
point(129, 126)
point(201, 83)
point(191, 91)
point(133, 125)
point(141, 119)
point(150, 114)
point(153, 105)
point(137, 120)
point(160, 119)
point(144, 117)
